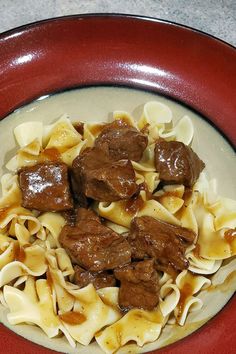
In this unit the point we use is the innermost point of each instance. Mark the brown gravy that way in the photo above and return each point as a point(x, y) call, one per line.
point(73, 317)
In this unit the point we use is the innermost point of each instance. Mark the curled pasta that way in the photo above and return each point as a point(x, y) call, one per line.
point(37, 275)
point(51, 223)
point(34, 305)
point(119, 213)
point(14, 220)
point(96, 315)
point(7, 256)
point(169, 298)
point(189, 285)
point(200, 265)
point(137, 325)
point(207, 235)
point(27, 132)
point(11, 194)
point(184, 130)
point(63, 136)
point(31, 261)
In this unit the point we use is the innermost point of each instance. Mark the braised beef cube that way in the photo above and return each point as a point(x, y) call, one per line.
point(139, 285)
point(123, 141)
point(69, 216)
point(86, 214)
point(80, 198)
point(94, 246)
point(73, 216)
point(164, 242)
point(177, 163)
point(45, 187)
point(98, 279)
point(100, 178)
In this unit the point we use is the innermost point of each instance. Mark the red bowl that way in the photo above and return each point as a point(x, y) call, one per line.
point(182, 63)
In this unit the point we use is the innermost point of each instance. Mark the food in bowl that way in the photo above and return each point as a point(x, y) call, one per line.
point(128, 254)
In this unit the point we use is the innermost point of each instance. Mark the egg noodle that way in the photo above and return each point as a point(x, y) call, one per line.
point(36, 274)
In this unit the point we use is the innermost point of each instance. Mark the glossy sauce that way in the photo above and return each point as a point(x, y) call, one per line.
point(205, 139)
point(187, 195)
point(20, 255)
point(196, 251)
point(110, 304)
point(124, 118)
point(143, 187)
point(49, 278)
point(230, 237)
point(51, 154)
point(134, 205)
point(73, 317)
point(185, 292)
point(79, 127)
point(4, 212)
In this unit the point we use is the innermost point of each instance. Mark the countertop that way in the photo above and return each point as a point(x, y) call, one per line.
point(216, 17)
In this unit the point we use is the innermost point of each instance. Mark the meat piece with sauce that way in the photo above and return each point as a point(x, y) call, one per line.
point(100, 178)
point(139, 285)
point(45, 187)
point(98, 279)
point(122, 140)
point(73, 216)
point(94, 246)
point(177, 163)
point(164, 242)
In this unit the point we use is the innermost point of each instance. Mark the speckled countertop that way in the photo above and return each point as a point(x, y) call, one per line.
point(216, 17)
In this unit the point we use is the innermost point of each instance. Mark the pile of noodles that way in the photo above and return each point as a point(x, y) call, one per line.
point(37, 295)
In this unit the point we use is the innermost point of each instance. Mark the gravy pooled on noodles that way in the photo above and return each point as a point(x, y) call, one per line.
point(133, 261)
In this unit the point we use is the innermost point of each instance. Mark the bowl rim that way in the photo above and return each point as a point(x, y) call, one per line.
point(113, 14)
point(142, 18)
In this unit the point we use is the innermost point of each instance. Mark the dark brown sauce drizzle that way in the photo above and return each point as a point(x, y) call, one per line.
point(73, 317)
point(144, 130)
point(197, 250)
point(185, 292)
point(49, 279)
point(79, 127)
point(123, 118)
point(143, 187)
point(187, 195)
point(133, 205)
point(51, 154)
point(230, 236)
point(110, 304)
point(5, 211)
point(20, 255)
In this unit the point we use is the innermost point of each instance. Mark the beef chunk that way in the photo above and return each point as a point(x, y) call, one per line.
point(78, 195)
point(45, 187)
point(177, 163)
point(83, 214)
point(160, 240)
point(123, 141)
point(102, 179)
point(98, 279)
point(139, 285)
point(73, 216)
point(94, 246)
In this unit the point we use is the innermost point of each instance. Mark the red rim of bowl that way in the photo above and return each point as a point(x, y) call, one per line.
point(126, 50)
